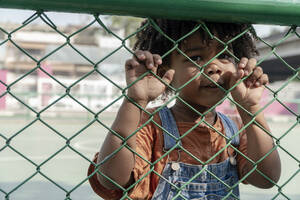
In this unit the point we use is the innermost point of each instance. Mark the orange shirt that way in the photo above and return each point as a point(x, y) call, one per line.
point(202, 142)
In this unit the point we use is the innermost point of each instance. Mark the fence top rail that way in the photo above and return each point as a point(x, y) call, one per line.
point(280, 12)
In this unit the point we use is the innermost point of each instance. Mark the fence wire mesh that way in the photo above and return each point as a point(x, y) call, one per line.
point(7, 142)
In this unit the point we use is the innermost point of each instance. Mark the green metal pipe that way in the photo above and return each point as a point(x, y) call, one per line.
point(282, 12)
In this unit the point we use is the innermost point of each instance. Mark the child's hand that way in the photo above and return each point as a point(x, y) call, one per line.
point(149, 87)
point(249, 92)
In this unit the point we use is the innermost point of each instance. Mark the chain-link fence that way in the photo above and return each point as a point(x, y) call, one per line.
point(38, 114)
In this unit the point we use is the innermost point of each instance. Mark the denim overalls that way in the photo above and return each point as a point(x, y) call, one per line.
point(204, 186)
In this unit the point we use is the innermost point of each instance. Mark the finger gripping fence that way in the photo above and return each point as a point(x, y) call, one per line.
point(96, 114)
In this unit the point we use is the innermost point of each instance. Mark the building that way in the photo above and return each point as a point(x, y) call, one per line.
point(285, 47)
point(72, 62)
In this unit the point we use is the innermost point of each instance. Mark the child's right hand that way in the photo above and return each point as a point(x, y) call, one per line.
point(149, 87)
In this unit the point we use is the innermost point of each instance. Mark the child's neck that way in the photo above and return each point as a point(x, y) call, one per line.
point(183, 113)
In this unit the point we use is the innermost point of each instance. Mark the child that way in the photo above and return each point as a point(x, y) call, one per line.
point(200, 164)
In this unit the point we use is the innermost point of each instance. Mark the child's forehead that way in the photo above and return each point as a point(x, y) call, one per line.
point(196, 41)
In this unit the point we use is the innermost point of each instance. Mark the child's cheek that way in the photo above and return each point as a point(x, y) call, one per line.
point(232, 67)
point(230, 70)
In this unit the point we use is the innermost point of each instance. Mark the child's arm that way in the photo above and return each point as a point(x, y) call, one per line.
point(120, 166)
point(259, 143)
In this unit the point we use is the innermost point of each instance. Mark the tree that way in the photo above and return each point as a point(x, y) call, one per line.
point(129, 24)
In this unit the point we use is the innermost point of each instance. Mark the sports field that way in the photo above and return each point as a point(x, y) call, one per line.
point(68, 169)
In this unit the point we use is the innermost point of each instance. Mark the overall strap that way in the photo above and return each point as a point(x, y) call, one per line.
point(230, 129)
point(169, 124)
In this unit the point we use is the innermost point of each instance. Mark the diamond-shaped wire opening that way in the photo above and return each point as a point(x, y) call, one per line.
point(16, 54)
point(33, 143)
point(9, 157)
point(268, 102)
point(80, 140)
point(67, 170)
point(36, 91)
point(80, 99)
point(287, 187)
point(285, 100)
point(84, 41)
point(36, 189)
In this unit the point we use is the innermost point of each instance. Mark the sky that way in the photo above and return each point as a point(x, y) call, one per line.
point(18, 16)
point(13, 15)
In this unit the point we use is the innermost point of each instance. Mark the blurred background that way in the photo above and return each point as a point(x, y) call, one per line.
point(48, 126)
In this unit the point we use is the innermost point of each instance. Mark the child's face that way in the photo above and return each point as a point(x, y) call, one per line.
point(202, 91)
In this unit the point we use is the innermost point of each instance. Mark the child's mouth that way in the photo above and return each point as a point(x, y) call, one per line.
point(214, 86)
point(211, 86)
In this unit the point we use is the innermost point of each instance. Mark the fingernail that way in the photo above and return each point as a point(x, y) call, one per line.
point(142, 56)
point(246, 72)
point(257, 84)
point(240, 73)
point(151, 65)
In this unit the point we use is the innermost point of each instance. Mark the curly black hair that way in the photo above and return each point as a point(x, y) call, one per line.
point(152, 40)
point(149, 39)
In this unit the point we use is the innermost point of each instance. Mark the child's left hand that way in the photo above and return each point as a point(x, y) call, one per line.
point(249, 92)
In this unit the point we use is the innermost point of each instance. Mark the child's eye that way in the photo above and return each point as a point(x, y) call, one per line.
point(226, 56)
point(196, 59)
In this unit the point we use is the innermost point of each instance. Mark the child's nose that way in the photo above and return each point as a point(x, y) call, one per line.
point(212, 69)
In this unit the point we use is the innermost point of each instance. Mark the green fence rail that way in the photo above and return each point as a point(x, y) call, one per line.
point(286, 12)
point(282, 12)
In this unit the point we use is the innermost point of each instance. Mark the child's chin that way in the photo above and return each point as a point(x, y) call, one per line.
point(216, 101)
